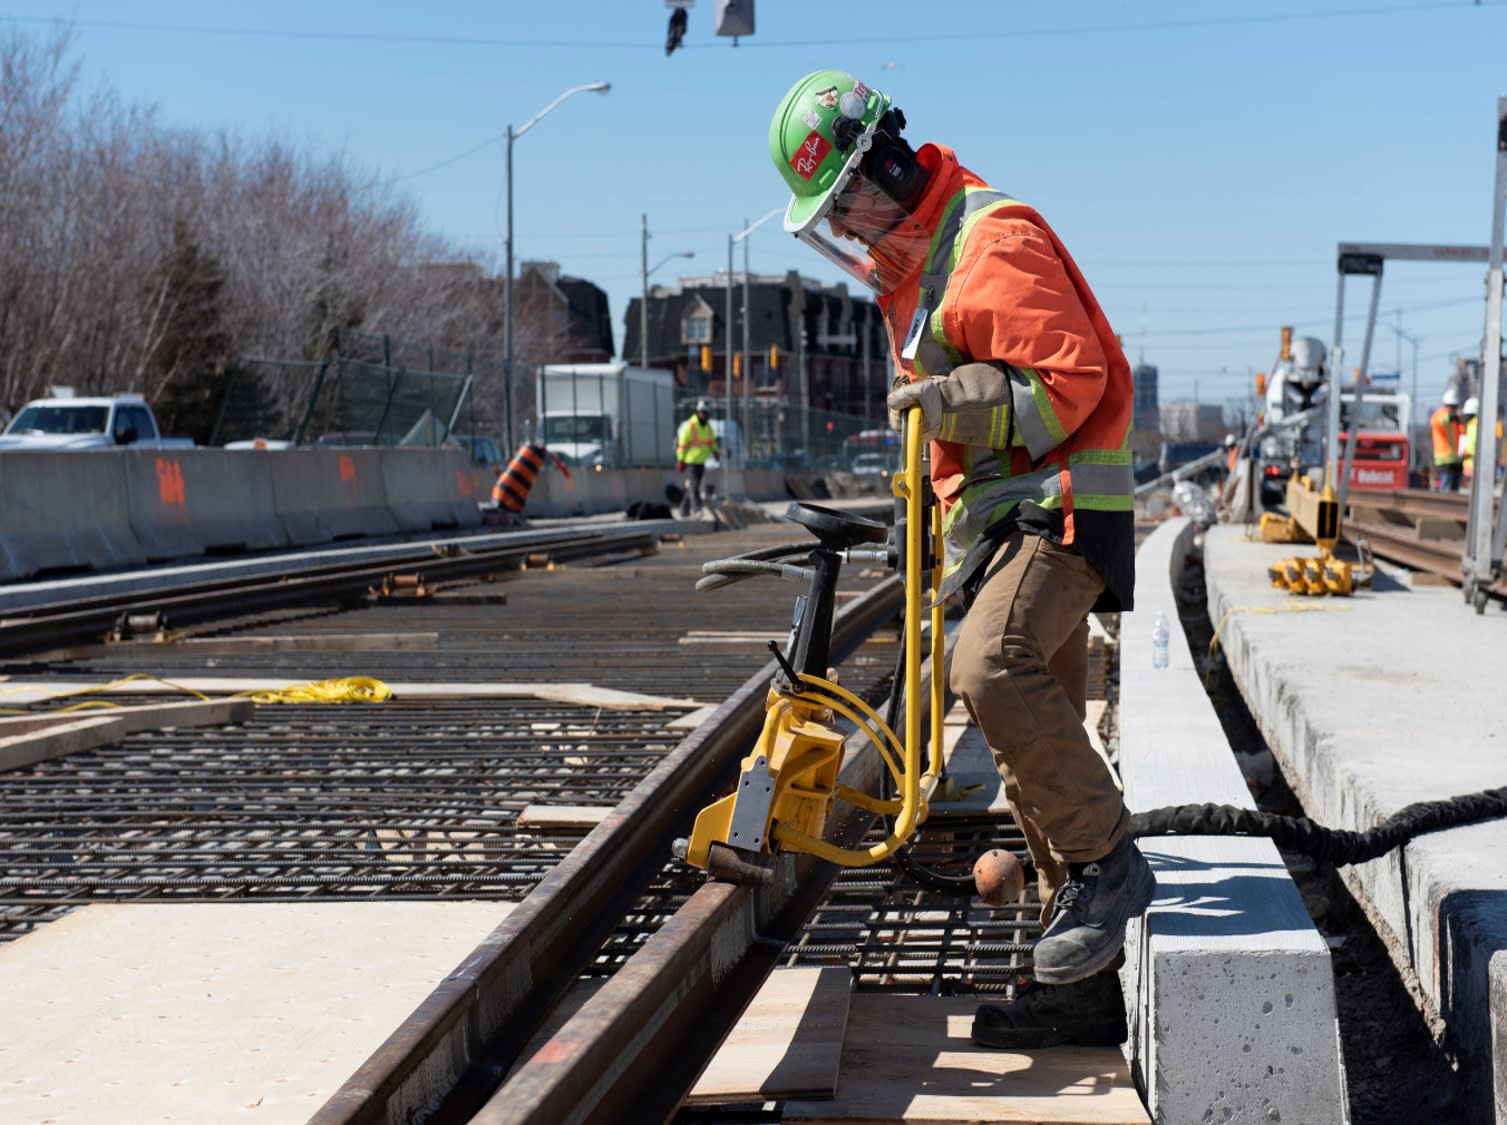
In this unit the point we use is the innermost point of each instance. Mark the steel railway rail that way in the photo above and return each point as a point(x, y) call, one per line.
point(85, 619)
point(1421, 529)
point(421, 799)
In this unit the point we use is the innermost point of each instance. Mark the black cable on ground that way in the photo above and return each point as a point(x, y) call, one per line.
point(1332, 845)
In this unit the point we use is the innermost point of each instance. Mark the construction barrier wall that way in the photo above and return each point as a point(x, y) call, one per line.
point(111, 509)
point(323, 496)
point(63, 512)
point(114, 509)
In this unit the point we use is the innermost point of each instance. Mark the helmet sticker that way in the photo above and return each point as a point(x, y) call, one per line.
point(852, 105)
point(808, 157)
point(861, 90)
point(827, 98)
point(812, 119)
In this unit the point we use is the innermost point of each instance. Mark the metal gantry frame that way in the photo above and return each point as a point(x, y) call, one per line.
point(1486, 530)
point(1367, 259)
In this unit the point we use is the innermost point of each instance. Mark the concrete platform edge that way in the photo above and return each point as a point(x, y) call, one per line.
point(1445, 940)
point(1229, 988)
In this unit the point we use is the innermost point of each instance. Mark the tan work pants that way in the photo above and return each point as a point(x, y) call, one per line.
point(1021, 668)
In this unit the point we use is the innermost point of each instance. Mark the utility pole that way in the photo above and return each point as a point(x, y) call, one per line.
point(643, 304)
point(727, 371)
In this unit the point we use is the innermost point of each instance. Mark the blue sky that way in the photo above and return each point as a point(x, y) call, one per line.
point(1200, 160)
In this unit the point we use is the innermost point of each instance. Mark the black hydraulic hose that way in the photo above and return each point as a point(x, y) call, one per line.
point(1292, 833)
point(1333, 845)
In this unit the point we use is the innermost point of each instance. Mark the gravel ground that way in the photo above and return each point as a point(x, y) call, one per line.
point(1395, 1068)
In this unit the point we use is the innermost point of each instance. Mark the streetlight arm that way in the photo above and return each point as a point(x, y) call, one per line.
point(756, 224)
point(671, 258)
point(597, 87)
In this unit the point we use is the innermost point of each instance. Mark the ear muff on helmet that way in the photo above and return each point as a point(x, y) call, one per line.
point(890, 162)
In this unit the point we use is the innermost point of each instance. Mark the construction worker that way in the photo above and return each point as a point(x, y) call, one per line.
point(1468, 412)
point(695, 444)
point(1231, 451)
point(1026, 399)
point(1446, 430)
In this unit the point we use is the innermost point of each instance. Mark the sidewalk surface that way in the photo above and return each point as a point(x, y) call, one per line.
point(1372, 703)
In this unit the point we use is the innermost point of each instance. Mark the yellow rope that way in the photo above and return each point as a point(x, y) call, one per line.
point(1295, 607)
point(350, 689)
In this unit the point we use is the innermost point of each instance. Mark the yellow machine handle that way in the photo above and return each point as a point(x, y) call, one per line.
point(915, 788)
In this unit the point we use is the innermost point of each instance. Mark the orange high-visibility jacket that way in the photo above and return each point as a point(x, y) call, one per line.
point(1446, 432)
point(1001, 288)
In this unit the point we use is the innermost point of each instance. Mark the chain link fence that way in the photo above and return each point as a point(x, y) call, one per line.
point(376, 390)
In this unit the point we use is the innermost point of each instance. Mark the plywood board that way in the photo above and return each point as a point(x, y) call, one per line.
point(787, 1044)
point(586, 695)
point(563, 816)
point(215, 1011)
point(910, 1059)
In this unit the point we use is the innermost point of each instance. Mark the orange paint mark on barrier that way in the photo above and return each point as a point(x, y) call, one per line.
point(347, 467)
point(465, 483)
point(170, 489)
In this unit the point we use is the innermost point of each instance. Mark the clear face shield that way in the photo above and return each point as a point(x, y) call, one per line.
point(864, 232)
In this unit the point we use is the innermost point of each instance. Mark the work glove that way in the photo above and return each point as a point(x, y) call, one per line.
point(925, 393)
point(970, 406)
point(680, 466)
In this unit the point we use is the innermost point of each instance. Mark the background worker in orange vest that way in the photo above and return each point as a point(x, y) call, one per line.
point(695, 445)
point(1025, 396)
point(1446, 429)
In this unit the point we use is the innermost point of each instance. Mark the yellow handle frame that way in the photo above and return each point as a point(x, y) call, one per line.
point(915, 787)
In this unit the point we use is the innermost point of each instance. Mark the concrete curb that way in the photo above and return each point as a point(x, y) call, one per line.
point(1228, 985)
point(1365, 718)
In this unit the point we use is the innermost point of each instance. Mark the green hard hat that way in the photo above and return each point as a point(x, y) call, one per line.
point(822, 125)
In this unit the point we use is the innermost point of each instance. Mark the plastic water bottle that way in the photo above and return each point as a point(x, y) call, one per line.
point(1159, 638)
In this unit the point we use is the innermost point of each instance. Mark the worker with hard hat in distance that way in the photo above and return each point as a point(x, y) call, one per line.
point(695, 445)
point(1446, 430)
point(1026, 398)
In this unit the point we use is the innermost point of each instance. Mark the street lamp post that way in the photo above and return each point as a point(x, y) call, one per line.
point(742, 236)
point(507, 281)
point(643, 301)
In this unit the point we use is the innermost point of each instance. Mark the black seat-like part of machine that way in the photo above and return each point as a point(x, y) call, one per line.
point(837, 531)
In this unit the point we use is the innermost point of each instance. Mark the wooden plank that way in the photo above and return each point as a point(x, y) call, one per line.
point(786, 1045)
point(587, 695)
point(54, 742)
point(909, 1059)
point(563, 816)
point(345, 642)
point(29, 739)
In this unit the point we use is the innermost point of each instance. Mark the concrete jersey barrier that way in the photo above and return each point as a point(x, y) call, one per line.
point(1229, 987)
point(64, 511)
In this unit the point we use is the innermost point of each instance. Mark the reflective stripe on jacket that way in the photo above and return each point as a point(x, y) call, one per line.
point(1446, 432)
point(696, 441)
point(998, 286)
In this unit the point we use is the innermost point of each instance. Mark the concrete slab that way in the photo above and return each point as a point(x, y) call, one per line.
point(1228, 985)
point(1391, 697)
point(211, 1012)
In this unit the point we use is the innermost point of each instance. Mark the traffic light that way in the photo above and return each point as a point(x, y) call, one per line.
point(1286, 341)
point(1261, 384)
point(706, 357)
point(774, 356)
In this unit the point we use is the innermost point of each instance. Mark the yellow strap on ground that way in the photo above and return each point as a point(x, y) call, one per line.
point(95, 703)
point(350, 689)
point(1295, 607)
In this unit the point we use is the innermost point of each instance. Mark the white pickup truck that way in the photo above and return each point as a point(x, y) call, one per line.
point(67, 423)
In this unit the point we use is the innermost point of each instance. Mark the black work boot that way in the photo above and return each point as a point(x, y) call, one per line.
point(1088, 1013)
point(1089, 915)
